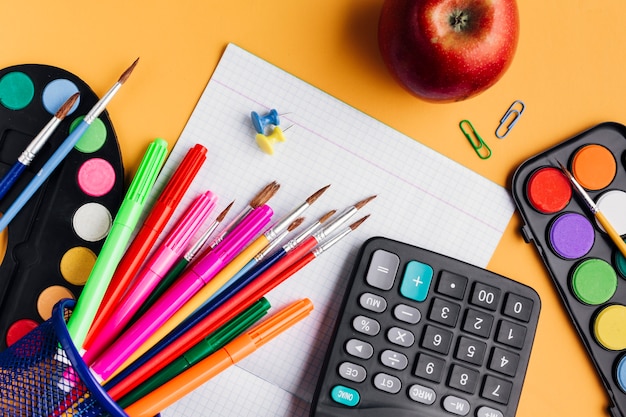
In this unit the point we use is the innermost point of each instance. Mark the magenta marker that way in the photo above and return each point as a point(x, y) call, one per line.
point(183, 289)
point(153, 272)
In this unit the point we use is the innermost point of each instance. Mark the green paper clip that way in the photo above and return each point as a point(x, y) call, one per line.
point(479, 145)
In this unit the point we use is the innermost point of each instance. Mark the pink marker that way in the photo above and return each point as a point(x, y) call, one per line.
point(183, 289)
point(153, 272)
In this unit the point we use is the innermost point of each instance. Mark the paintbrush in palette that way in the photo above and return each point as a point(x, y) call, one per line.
point(68, 144)
point(28, 155)
point(600, 217)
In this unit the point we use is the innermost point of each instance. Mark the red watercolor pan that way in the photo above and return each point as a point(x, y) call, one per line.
point(52, 244)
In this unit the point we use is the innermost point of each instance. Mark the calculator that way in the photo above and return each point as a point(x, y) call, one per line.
point(421, 334)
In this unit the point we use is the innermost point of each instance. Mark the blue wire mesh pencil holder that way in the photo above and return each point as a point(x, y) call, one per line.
point(34, 375)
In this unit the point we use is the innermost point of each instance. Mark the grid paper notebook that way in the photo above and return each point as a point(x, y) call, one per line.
point(423, 198)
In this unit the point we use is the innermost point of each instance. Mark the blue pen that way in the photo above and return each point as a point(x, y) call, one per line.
point(62, 151)
point(26, 157)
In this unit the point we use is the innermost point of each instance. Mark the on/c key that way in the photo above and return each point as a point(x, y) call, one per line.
point(344, 395)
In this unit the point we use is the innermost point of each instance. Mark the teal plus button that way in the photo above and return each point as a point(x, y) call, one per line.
point(416, 281)
point(346, 396)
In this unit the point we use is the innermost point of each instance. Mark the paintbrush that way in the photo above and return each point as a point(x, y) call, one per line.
point(600, 217)
point(27, 156)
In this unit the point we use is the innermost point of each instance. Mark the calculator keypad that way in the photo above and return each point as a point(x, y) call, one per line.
point(429, 334)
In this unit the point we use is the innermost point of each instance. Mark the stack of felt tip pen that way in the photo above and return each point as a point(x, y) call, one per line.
point(155, 321)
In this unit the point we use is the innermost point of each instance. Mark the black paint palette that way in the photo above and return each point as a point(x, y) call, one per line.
point(585, 265)
point(52, 244)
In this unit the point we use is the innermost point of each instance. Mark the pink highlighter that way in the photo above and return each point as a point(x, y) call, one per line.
point(153, 272)
point(183, 289)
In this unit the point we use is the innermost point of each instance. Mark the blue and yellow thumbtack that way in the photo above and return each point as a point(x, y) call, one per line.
point(262, 123)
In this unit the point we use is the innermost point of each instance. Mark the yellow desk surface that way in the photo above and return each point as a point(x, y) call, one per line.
point(568, 71)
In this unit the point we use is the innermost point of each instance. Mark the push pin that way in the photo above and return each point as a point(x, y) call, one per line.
point(266, 142)
point(261, 122)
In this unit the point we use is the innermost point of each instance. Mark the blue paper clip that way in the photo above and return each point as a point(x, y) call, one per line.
point(509, 119)
point(479, 145)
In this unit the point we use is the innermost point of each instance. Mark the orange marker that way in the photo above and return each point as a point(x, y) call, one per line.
point(233, 352)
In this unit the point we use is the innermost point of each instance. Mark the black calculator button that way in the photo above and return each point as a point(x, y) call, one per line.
point(395, 360)
point(352, 372)
point(400, 337)
point(488, 412)
point(470, 350)
point(422, 394)
point(463, 379)
point(478, 323)
point(429, 367)
point(359, 349)
point(444, 312)
point(436, 339)
point(518, 307)
point(387, 383)
point(416, 281)
point(373, 302)
point(407, 314)
point(456, 405)
point(485, 296)
point(452, 285)
point(382, 270)
point(496, 389)
point(366, 325)
point(504, 361)
point(511, 334)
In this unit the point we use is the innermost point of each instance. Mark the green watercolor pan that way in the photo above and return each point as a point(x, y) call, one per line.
point(52, 244)
point(584, 264)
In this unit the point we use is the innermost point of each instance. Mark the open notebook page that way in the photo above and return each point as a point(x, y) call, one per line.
point(423, 198)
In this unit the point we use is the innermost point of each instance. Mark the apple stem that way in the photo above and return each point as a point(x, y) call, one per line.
point(458, 20)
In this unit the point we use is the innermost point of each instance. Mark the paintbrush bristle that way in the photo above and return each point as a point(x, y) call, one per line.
point(265, 194)
point(358, 222)
point(296, 223)
point(361, 203)
point(127, 73)
point(222, 215)
point(317, 195)
point(327, 216)
point(67, 106)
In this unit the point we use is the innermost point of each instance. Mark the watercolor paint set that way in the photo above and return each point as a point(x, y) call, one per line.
point(584, 263)
point(52, 243)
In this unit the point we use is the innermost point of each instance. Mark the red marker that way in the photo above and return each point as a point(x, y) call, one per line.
point(152, 227)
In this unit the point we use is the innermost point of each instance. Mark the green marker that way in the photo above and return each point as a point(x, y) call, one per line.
point(115, 244)
point(206, 347)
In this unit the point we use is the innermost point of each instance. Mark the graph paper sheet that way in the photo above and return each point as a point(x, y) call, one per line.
point(423, 198)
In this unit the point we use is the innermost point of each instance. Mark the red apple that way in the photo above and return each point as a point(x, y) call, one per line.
point(448, 50)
